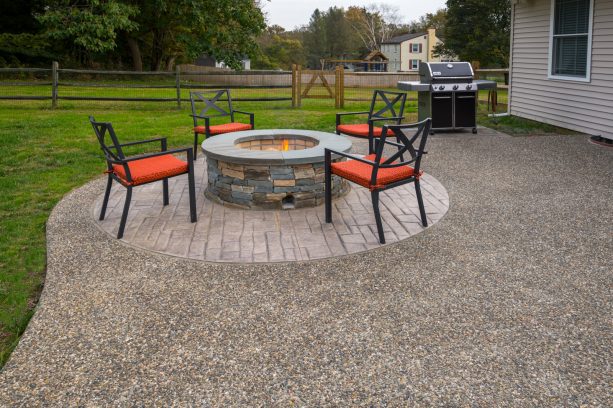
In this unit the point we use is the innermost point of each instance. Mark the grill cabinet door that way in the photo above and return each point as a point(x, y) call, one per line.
point(442, 110)
point(465, 109)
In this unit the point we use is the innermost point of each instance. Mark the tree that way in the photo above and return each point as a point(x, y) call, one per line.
point(315, 38)
point(278, 50)
point(92, 25)
point(157, 32)
point(478, 30)
point(373, 24)
point(435, 20)
point(20, 38)
point(171, 30)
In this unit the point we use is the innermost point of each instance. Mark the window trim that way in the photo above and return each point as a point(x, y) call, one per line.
point(411, 64)
point(588, 68)
point(413, 46)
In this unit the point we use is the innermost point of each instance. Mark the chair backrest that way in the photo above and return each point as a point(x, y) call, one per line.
point(112, 150)
point(404, 144)
point(387, 104)
point(214, 103)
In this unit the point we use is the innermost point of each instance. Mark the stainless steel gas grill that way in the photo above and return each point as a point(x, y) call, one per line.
point(447, 93)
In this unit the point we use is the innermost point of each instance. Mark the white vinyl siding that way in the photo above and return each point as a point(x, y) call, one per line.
point(582, 106)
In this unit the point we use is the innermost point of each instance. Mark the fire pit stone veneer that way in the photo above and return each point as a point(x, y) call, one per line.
point(271, 169)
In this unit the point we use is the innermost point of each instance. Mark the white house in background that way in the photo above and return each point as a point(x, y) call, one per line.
point(208, 61)
point(406, 51)
point(562, 64)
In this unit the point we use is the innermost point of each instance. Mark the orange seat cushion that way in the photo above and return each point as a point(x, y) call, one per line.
point(151, 169)
point(361, 173)
point(361, 130)
point(225, 128)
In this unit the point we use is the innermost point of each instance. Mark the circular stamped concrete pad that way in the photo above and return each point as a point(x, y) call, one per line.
point(227, 234)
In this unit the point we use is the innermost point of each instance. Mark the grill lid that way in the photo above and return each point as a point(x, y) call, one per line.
point(444, 71)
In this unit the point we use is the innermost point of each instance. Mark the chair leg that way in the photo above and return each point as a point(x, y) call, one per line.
point(420, 202)
point(165, 190)
point(328, 187)
point(375, 205)
point(192, 192)
point(195, 145)
point(107, 193)
point(124, 216)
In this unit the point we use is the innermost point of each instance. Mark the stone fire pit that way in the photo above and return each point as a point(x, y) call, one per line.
point(271, 169)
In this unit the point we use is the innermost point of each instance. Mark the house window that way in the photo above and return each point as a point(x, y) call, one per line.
point(571, 39)
point(415, 48)
point(414, 64)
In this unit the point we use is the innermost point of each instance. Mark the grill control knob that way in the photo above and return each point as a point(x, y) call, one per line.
point(455, 87)
point(442, 87)
point(469, 86)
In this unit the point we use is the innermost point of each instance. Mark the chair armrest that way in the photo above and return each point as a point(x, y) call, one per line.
point(349, 156)
point(251, 117)
point(149, 155)
point(384, 119)
point(352, 113)
point(162, 141)
point(339, 115)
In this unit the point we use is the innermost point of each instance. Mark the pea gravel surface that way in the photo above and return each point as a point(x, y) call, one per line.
point(505, 302)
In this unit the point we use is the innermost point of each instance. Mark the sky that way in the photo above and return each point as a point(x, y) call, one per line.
point(290, 14)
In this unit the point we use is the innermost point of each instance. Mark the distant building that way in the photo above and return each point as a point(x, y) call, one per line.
point(406, 51)
point(208, 61)
point(375, 61)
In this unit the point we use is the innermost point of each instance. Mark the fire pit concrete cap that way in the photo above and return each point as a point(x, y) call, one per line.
point(223, 147)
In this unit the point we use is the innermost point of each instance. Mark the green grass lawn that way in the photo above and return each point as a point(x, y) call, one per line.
point(48, 152)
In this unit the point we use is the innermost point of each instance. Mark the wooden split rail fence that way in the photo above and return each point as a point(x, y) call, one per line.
point(293, 86)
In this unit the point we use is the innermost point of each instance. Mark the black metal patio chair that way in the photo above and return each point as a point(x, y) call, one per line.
point(378, 173)
point(385, 106)
point(147, 168)
point(215, 104)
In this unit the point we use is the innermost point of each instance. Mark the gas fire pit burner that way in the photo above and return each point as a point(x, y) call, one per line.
point(271, 169)
point(281, 143)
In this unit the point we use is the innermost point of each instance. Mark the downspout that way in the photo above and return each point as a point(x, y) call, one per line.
point(510, 94)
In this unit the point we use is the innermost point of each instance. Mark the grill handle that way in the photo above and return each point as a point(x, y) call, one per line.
point(441, 97)
point(466, 97)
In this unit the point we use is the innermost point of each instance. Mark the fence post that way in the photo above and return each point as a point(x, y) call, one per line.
point(293, 85)
point(337, 89)
point(178, 85)
point(341, 97)
point(299, 86)
point(54, 81)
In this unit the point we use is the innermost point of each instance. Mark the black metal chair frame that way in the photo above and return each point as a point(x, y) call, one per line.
point(373, 116)
point(114, 155)
point(404, 145)
point(213, 103)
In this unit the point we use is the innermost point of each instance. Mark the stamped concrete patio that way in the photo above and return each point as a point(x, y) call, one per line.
point(505, 302)
point(230, 234)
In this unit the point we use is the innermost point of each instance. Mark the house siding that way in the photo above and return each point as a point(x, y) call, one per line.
point(582, 106)
point(392, 52)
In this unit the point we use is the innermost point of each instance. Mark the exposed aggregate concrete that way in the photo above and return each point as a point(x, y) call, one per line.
point(505, 302)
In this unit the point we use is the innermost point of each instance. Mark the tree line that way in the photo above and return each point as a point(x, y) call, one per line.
point(157, 34)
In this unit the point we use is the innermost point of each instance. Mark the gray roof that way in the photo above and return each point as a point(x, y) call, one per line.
point(402, 38)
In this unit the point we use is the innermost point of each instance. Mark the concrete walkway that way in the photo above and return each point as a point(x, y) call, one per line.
point(505, 302)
